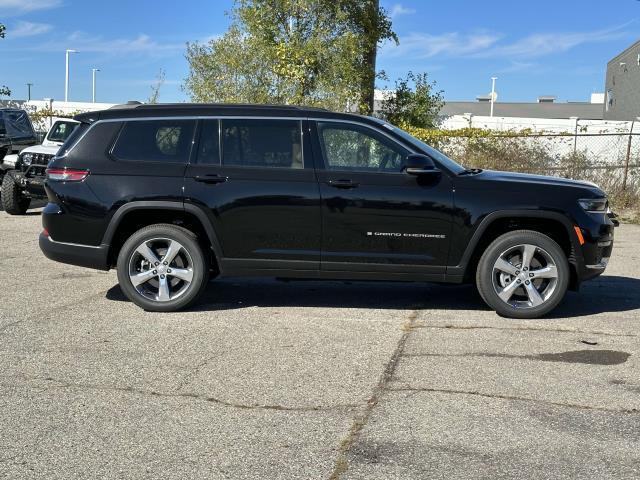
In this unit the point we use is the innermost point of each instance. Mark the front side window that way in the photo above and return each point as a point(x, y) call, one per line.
point(61, 131)
point(166, 141)
point(262, 143)
point(351, 147)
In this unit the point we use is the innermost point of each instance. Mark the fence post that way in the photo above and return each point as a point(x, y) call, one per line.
point(575, 135)
point(627, 160)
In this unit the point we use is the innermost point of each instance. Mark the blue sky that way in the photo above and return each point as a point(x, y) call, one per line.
point(534, 48)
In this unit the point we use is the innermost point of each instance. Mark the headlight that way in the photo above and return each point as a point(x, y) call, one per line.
point(27, 158)
point(594, 205)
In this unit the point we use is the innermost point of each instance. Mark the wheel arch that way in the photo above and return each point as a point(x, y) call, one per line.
point(553, 224)
point(134, 215)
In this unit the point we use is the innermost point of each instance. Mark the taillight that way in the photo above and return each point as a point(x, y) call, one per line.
point(66, 174)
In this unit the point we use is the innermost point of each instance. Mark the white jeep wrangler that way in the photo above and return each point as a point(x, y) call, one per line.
point(24, 173)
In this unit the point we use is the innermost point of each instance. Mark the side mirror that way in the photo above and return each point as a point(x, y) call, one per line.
point(418, 164)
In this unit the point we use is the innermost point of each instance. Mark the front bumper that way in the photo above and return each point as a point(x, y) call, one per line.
point(74, 254)
point(33, 185)
point(596, 247)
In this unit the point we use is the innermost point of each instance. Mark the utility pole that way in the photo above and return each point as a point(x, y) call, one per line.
point(493, 92)
point(93, 90)
point(66, 77)
point(29, 85)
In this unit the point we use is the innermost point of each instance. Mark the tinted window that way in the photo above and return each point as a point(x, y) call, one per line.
point(17, 124)
point(262, 143)
point(155, 141)
point(209, 147)
point(350, 147)
point(61, 131)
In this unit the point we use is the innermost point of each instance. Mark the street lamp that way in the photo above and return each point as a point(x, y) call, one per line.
point(493, 93)
point(93, 76)
point(66, 77)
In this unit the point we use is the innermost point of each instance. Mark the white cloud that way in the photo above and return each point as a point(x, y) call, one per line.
point(142, 44)
point(542, 44)
point(399, 9)
point(425, 45)
point(17, 7)
point(495, 45)
point(28, 29)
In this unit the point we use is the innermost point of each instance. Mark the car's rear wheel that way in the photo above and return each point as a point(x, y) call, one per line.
point(14, 201)
point(523, 274)
point(162, 268)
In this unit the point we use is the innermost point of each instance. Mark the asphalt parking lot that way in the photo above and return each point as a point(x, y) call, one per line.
point(267, 379)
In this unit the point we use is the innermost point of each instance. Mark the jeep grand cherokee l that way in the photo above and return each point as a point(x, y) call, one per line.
point(170, 194)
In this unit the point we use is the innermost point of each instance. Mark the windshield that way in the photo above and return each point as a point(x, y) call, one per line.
point(424, 148)
point(61, 131)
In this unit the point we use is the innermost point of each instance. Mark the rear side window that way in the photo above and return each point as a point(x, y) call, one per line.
point(167, 141)
point(209, 147)
point(262, 143)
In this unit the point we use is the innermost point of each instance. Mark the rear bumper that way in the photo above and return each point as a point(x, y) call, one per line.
point(74, 254)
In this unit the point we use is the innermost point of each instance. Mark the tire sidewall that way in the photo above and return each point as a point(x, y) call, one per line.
point(13, 201)
point(189, 241)
point(484, 276)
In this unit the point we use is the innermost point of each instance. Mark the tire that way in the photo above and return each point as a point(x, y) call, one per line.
point(517, 265)
point(14, 201)
point(180, 291)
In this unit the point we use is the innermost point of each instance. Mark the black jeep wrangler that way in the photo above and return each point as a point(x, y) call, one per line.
point(169, 194)
point(16, 132)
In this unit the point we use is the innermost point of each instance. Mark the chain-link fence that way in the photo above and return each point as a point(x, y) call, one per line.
point(611, 160)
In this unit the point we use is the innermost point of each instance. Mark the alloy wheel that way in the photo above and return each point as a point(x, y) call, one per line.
point(161, 269)
point(525, 276)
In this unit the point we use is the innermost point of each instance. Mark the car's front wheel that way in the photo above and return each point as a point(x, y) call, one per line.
point(523, 274)
point(162, 268)
point(14, 201)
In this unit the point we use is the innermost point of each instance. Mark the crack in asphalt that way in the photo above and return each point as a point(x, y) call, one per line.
point(527, 329)
point(341, 464)
point(191, 374)
point(416, 390)
point(187, 395)
point(41, 317)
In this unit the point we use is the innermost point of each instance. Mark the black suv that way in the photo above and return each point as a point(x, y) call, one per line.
point(170, 194)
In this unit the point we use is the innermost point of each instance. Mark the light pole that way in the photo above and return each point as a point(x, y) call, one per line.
point(493, 92)
point(66, 77)
point(93, 76)
point(29, 85)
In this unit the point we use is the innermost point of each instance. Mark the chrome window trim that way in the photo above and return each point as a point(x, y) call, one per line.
point(240, 117)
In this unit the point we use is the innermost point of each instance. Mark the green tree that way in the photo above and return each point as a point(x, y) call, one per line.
point(414, 102)
point(4, 90)
point(371, 25)
point(155, 88)
point(284, 51)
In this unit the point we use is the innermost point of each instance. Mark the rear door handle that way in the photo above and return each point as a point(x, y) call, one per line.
point(343, 183)
point(212, 178)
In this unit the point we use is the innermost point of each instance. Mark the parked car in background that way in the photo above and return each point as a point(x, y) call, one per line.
point(16, 131)
point(24, 173)
point(169, 194)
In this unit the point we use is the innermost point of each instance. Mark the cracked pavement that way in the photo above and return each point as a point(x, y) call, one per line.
point(337, 380)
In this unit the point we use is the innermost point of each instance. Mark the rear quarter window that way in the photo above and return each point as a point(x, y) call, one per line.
point(166, 141)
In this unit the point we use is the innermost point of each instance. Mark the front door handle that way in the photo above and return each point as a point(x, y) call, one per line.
point(212, 178)
point(343, 183)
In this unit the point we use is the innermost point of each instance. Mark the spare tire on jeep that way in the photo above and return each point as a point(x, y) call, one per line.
point(14, 201)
